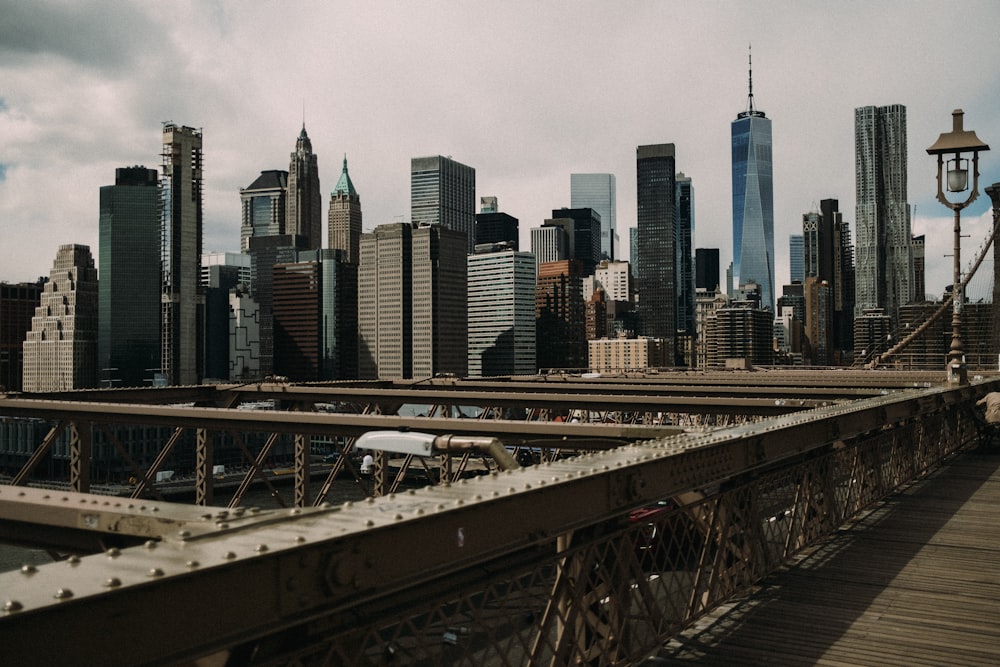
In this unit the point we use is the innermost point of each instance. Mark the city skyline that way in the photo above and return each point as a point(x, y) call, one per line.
point(491, 112)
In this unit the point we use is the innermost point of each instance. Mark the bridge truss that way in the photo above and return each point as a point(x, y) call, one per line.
point(592, 559)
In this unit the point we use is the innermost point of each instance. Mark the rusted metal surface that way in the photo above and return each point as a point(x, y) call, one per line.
point(594, 559)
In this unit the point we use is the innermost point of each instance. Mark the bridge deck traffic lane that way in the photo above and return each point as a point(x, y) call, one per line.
point(915, 582)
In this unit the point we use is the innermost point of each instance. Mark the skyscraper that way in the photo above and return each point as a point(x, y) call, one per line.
point(583, 235)
point(412, 310)
point(706, 264)
point(796, 256)
point(597, 191)
point(684, 207)
point(443, 191)
point(501, 313)
point(495, 226)
point(128, 343)
point(549, 243)
point(17, 306)
point(182, 352)
point(345, 217)
point(60, 351)
point(884, 251)
point(304, 210)
point(919, 268)
point(560, 316)
point(315, 317)
point(656, 199)
point(264, 204)
point(753, 201)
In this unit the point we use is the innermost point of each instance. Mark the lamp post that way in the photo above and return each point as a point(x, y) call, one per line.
point(957, 142)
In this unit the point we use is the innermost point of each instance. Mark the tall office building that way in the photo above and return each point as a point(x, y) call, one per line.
point(597, 191)
point(560, 316)
point(60, 351)
point(265, 252)
point(656, 217)
point(829, 256)
point(706, 269)
point(796, 257)
point(412, 310)
point(17, 306)
point(128, 342)
point(633, 250)
point(753, 201)
point(549, 243)
point(182, 351)
point(315, 317)
point(884, 252)
point(684, 207)
point(919, 269)
point(501, 313)
point(443, 191)
point(345, 217)
point(263, 205)
point(304, 206)
point(494, 226)
point(583, 234)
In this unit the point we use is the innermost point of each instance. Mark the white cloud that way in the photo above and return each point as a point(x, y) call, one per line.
point(525, 92)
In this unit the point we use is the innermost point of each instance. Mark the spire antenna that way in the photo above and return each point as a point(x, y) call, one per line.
point(750, 64)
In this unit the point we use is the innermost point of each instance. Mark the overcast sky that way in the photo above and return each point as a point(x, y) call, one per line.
point(525, 92)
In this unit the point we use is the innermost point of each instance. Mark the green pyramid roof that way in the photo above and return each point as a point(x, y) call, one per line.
point(344, 184)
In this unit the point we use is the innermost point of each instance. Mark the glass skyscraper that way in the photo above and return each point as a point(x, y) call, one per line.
point(656, 211)
point(684, 216)
point(443, 192)
point(597, 191)
point(753, 201)
point(128, 343)
point(796, 256)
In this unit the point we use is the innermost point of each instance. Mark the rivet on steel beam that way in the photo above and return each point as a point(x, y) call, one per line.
point(150, 544)
point(397, 517)
point(420, 511)
point(478, 496)
point(299, 539)
point(192, 564)
point(113, 552)
point(28, 569)
point(229, 555)
point(155, 572)
point(370, 499)
point(155, 508)
point(11, 606)
point(294, 511)
point(369, 523)
point(206, 516)
point(260, 548)
point(222, 524)
point(239, 511)
point(349, 503)
point(113, 582)
point(73, 560)
point(183, 534)
point(63, 594)
point(459, 501)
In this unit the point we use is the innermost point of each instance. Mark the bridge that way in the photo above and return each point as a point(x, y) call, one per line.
point(652, 504)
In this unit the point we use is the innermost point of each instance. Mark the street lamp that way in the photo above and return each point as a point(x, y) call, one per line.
point(957, 142)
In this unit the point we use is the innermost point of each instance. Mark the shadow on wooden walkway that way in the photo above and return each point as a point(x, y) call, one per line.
point(914, 582)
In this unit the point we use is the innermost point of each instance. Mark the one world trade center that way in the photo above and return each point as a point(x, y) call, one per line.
point(753, 201)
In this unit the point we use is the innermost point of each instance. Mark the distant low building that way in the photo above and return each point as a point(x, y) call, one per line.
point(622, 354)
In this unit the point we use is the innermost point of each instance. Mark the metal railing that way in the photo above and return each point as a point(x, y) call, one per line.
point(596, 559)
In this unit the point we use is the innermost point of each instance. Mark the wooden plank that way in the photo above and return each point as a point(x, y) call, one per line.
point(915, 582)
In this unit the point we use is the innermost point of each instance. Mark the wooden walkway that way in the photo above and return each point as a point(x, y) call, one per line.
point(915, 582)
